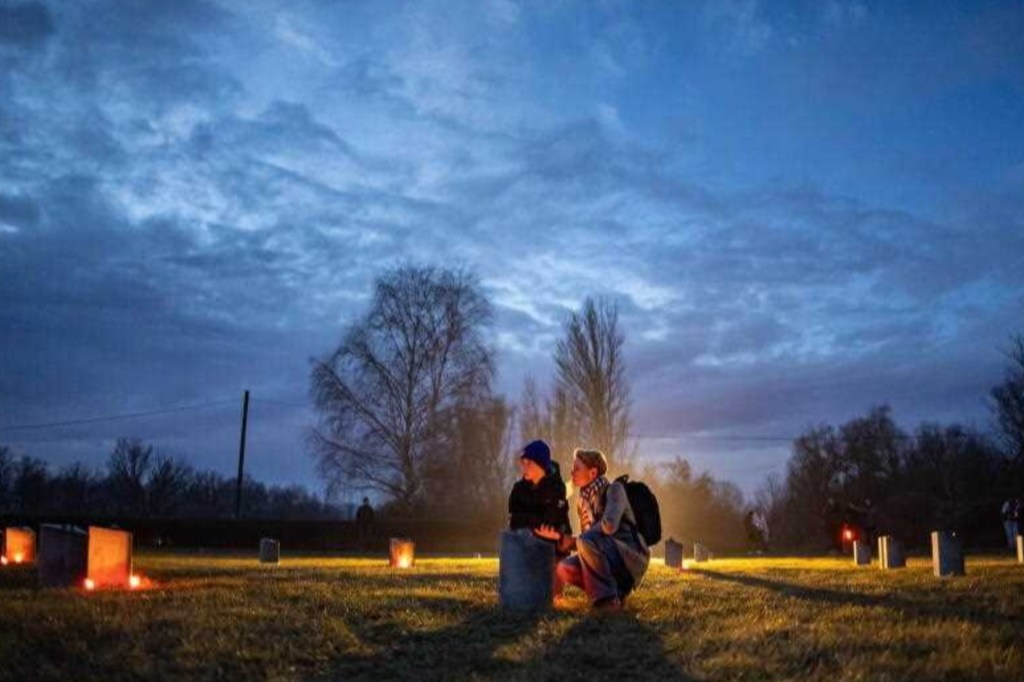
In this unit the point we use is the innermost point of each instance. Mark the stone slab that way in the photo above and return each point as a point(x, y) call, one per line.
point(270, 551)
point(700, 553)
point(1020, 549)
point(63, 555)
point(947, 554)
point(526, 567)
point(861, 553)
point(673, 553)
point(890, 553)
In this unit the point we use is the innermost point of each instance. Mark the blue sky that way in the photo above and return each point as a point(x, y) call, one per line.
point(803, 209)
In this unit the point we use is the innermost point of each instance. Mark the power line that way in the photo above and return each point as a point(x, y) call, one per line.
point(114, 417)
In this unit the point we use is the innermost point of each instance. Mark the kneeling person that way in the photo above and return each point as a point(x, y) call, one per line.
point(611, 556)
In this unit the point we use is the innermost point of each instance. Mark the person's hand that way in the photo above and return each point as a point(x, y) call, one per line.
point(547, 532)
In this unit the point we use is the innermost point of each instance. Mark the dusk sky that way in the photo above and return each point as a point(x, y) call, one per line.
point(802, 209)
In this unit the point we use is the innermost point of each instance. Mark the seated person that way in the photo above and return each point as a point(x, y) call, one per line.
point(538, 498)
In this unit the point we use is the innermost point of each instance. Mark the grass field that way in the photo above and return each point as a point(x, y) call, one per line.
point(324, 618)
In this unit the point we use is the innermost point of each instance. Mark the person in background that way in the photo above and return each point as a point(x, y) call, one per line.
point(1012, 509)
point(611, 556)
point(364, 523)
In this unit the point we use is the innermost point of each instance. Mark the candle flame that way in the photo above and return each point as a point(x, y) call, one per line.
point(3, 561)
point(89, 584)
point(134, 581)
point(19, 557)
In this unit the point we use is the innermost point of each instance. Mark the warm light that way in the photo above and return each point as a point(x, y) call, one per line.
point(19, 557)
point(89, 584)
point(404, 561)
point(3, 561)
point(685, 565)
point(134, 581)
point(848, 534)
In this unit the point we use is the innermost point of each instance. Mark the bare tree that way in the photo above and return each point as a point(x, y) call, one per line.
point(167, 485)
point(418, 351)
point(128, 468)
point(591, 378)
point(554, 421)
point(6, 475)
point(1008, 402)
point(475, 468)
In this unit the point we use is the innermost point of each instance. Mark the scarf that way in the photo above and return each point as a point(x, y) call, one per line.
point(590, 505)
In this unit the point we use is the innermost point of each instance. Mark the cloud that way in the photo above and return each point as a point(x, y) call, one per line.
point(196, 201)
point(25, 24)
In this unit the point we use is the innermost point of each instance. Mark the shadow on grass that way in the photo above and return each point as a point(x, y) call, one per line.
point(600, 647)
point(950, 609)
point(455, 652)
point(593, 647)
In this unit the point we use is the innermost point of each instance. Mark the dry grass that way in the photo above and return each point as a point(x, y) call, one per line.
point(315, 617)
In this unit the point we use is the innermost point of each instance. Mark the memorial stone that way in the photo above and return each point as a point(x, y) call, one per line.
point(525, 572)
point(673, 554)
point(947, 554)
point(270, 551)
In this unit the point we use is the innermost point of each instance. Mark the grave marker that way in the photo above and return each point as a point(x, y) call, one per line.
point(947, 554)
point(270, 551)
point(890, 553)
point(861, 553)
point(673, 554)
point(525, 572)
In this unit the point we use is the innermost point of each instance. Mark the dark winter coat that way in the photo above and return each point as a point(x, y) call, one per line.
point(531, 505)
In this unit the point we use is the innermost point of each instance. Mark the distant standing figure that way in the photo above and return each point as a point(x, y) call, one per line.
point(364, 523)
point(1012, 509)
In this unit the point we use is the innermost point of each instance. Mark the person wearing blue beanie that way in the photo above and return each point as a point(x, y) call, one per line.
point(538, 498)
point(539, 452)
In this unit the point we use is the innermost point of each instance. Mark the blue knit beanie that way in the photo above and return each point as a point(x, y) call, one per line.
point(539, 452)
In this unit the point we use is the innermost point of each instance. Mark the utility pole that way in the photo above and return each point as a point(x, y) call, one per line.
point(241, 456)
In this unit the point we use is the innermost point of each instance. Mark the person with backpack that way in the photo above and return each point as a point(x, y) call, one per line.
point(611, 554)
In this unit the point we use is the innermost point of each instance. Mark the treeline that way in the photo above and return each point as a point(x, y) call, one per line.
point(139, 482)
point(871, 475)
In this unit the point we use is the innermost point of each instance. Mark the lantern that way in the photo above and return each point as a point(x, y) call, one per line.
point(403, 553)
point(19, 546)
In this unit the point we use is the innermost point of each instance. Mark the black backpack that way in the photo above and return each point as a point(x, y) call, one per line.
point(645, 509)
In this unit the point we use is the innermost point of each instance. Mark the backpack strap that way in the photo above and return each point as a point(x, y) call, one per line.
point(624, 479)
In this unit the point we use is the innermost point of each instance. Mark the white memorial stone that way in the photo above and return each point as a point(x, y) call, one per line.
point(947, 554)
point(890, 553)
point(700, 553)
point(861, 553)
